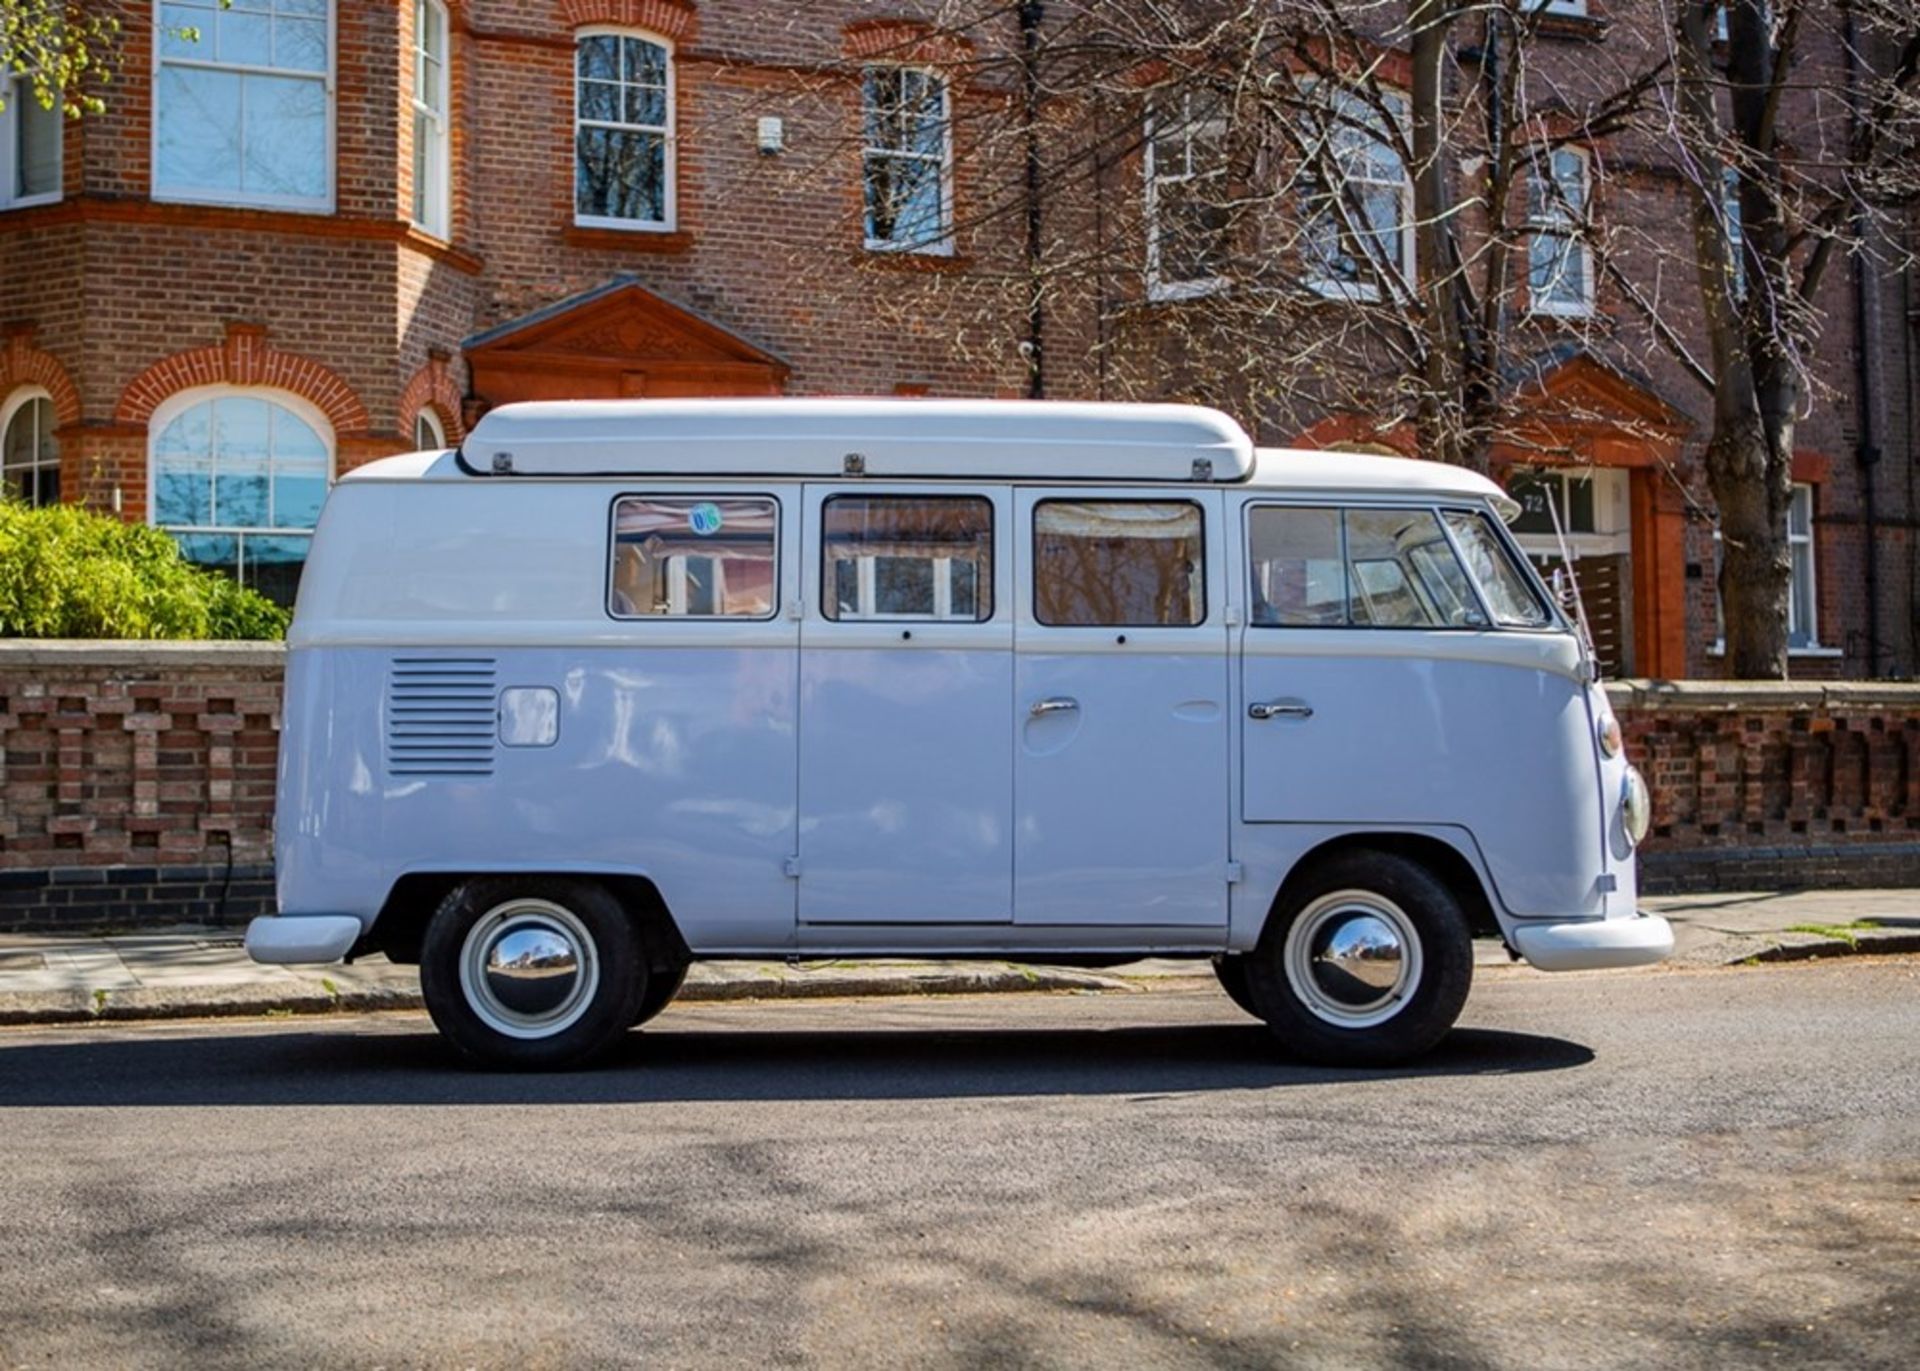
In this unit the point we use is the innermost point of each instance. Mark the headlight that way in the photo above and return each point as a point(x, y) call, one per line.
point(1636, 805)
point(1611, 740)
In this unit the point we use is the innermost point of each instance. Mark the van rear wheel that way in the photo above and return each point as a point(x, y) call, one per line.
point(1367, 964)
point(531, 973)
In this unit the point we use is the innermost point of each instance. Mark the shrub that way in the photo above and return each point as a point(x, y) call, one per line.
point(68, 573)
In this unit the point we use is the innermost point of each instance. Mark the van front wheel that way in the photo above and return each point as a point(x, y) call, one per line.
point(1367, 964)
point(531, 974)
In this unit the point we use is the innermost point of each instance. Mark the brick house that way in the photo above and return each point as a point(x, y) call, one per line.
point(321, 232)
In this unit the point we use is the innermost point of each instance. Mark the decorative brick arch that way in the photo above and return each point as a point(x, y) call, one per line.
point(245, 359)
point(23, 364)
point(432, 387)
point(674, 19)
point(903, 40)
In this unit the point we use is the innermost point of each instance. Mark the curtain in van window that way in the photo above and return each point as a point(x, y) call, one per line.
point(1118, 563)
point(693, 557)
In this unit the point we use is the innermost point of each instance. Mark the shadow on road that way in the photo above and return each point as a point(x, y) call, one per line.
point(293, 1067)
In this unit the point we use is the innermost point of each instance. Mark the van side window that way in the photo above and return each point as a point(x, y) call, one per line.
point(693, 557)
point(1366, 568)
point(907, 557)
point(1119, 563)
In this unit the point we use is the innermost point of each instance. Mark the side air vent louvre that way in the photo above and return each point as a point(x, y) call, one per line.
point(440, 716)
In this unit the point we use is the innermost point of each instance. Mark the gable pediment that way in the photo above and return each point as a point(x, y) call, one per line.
point(617, 339)
point(1582, 384)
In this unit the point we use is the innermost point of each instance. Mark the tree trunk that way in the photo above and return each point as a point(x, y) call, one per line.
point(1756, 562)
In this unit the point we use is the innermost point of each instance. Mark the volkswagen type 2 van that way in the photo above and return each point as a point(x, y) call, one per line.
point(615, 687)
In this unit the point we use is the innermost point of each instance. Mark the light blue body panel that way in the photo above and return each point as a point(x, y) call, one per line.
point(795, 784)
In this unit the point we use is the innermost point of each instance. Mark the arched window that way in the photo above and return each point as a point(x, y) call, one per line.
point(238, 480)
point(29, 456)
point(428, 433)
point(623, 131)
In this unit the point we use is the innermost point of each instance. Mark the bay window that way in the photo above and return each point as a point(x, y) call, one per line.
point(243, 102)
point(430, 151)
point(29, 146)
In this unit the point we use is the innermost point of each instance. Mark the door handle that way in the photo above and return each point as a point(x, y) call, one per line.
point(1280, 709)
point(1055, 705)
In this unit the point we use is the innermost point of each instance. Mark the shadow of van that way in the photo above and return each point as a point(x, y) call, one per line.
point(307, 1068)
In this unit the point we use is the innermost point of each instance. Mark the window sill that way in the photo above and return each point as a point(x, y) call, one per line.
point(323, 208)
point(1577, 312)
point(912, 259)
point(29, 202)
point(1812, 650)
point(1172, 292)
point(663, 241)
point(1574, 28)
point(1345, 292)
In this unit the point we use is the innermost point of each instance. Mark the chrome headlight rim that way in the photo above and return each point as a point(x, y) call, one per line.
point(1636, 805)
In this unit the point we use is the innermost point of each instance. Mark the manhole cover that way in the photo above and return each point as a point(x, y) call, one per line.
point(22, 961)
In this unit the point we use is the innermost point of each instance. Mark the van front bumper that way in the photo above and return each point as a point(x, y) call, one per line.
point(1594, 944)
point(286, 939)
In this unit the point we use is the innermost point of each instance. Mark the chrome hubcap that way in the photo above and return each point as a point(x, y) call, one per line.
point(1352, 958)
point(528, 968)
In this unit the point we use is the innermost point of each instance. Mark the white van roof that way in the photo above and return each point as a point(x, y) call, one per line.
point(906, 438)
point(1021, 440)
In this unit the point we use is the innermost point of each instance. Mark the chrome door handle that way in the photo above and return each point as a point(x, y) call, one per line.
point(1278, 709)
point(1055, 705)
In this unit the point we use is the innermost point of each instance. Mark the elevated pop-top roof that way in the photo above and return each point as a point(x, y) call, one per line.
point(962, 439)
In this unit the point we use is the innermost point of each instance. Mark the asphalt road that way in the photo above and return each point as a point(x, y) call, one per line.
point(1669, 1169)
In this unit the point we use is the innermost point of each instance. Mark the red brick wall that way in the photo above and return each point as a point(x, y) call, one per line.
point(144, 754)
point(1764, 784)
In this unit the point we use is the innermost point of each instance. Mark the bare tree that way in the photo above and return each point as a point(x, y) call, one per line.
point(1790, 171)
point(1299, 208)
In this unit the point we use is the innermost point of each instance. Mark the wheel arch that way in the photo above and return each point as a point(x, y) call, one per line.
point(1446, 861)
point(401, 925)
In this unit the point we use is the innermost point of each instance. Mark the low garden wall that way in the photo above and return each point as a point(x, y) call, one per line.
point(136, 783)
point(1763, 785)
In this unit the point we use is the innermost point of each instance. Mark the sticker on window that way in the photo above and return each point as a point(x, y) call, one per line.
point(705, 519)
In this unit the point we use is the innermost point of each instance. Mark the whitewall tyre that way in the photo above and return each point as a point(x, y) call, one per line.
point(1367, 963)
point(532, 973)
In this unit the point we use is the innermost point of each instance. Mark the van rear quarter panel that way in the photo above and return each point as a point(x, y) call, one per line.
point(675, 754)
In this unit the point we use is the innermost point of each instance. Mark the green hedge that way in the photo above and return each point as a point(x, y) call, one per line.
point(69, 573)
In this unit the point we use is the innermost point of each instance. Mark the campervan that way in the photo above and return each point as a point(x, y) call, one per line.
point(615, 687)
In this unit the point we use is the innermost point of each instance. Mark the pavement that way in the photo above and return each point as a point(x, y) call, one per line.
point(205, 972)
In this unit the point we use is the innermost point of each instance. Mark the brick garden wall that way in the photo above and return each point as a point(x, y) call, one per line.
point(1759, 785)
point(136, 783)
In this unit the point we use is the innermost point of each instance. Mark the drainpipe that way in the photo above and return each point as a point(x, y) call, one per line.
point(1866, 315)
point(1029, 15)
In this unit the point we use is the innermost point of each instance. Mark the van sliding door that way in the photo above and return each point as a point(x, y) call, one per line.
point(1121, 788)
point(906, 676)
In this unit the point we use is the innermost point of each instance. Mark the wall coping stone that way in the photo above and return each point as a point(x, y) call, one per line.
point(40, 653)
point(1642, 696)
